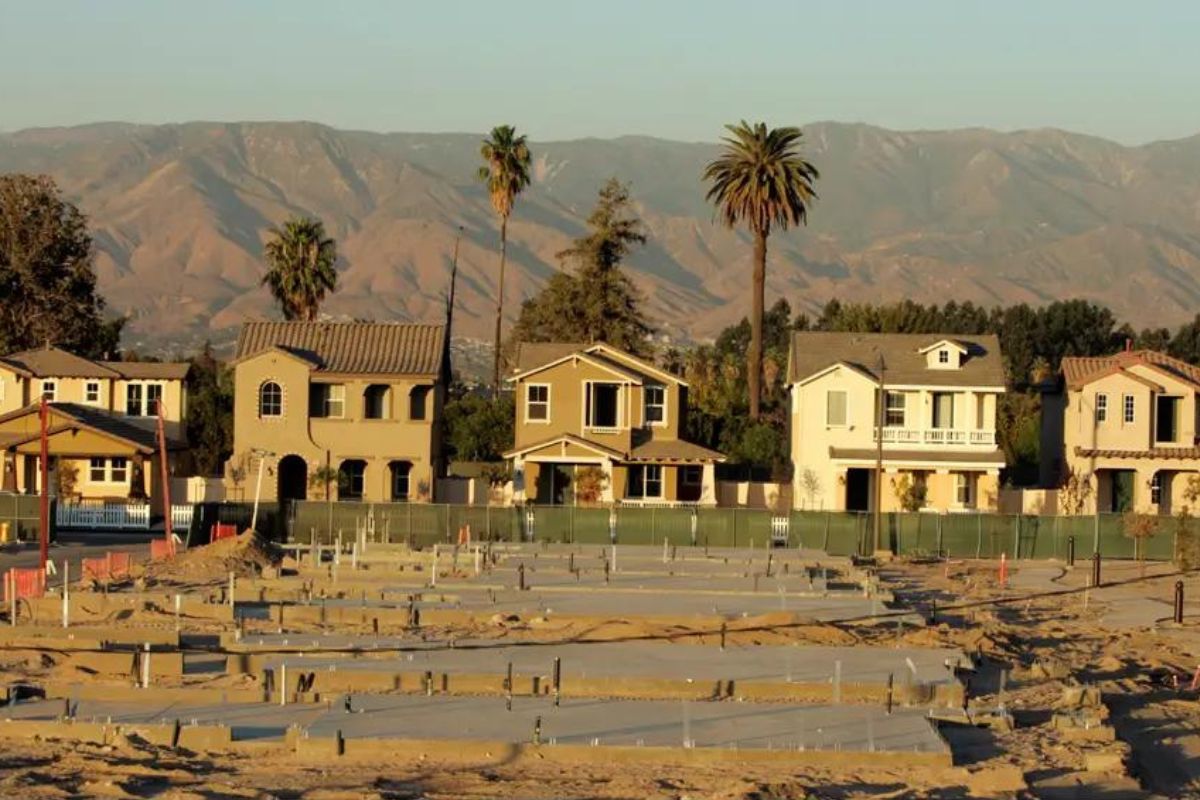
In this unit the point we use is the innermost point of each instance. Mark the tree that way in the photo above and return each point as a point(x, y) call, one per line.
point(910, 493)
point(210, 412)
point(1140, 527)
point(301, 267)
point(47, 277)
point(760, 180)
point(506, 172)
point(478, 428)
point(597, 302)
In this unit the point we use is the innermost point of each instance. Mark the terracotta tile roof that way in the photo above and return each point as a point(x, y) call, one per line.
point(54, 362)
point(673, 450)
point(814, 351)
point(990, 457)
point(1148, 452)
point(373, 348)
point(150, 370)
point(1080, 371)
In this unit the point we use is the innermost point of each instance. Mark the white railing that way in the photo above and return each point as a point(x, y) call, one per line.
point(654, 502)
point(103, 516)
point(779, 529)
point(937, 436)
point(181, 517)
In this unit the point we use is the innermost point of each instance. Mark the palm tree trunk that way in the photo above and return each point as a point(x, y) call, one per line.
point(499, 305)
point(754, 371)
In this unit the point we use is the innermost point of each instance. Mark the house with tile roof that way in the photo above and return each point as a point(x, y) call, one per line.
point(1127, 424)
point(581, 406)
point(103, 423)
point(929, 399)
point(352, 408)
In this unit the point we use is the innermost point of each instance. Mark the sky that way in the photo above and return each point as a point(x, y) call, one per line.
point(562, 69)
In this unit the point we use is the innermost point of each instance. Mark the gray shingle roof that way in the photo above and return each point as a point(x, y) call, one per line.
point(150, 370)
point(142, 433)
point(813, 351)
point(535, 354)
point(374, 348)
point(54, 362)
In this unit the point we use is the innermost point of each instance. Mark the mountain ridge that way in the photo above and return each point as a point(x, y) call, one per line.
point(179, 212)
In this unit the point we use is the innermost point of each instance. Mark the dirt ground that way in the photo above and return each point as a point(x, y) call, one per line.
point(1039, 639)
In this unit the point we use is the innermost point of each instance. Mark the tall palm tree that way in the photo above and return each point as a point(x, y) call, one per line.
point(301, 267)
point(760, 180)
point(506, 172)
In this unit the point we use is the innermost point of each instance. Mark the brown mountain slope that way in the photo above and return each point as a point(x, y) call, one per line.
point(180, 213)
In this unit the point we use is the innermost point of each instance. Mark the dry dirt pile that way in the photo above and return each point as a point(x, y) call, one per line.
point(245, 556)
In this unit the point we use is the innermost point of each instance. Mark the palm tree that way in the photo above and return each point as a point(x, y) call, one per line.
point(301, 267)
point(506, 173)
point(761, 180)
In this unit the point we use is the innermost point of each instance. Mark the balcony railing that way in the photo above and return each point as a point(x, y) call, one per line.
point(938, 436)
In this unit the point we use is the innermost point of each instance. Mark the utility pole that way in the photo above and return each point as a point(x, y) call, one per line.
point(165, 472)
point(880, 369)
point(44, 468)
point(450, 304)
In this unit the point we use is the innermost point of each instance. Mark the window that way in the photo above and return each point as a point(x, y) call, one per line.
point(49, 390)
point(691, 475)
point(893, 411)
point(656, 405)
point(943, 356)
point(602, 405)
point(537, 402)
point(1166, 419)
point(97, 470)
point(1156, 487)
point(153, 398)
point(418, 399)
point(91, 392)
point(963, 489)
point(113, 470)
point(1101, 407)
point(943, 410)
point(375, 401)
point(133, 400)
point(326, 400)
point(835, 408)
point(645, 481)
point(270, 400)
point(352, 479)
point(401, 470)
point(118, 471)
point(980, 412)
point(1127, 408)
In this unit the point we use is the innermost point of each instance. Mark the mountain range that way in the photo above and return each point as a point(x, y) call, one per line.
point(179, 214)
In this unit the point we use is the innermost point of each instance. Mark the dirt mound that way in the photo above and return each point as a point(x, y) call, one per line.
point(245, 556)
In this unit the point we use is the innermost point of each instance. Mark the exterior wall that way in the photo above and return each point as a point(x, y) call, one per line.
point(173, 402)
point(819, 481)
point(319, 441)
point(16, 392)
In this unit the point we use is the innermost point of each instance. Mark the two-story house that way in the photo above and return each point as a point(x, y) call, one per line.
point(939, 395)
point(1125, 424)
point(595, 406)
point(102, 427)
point(354, 407)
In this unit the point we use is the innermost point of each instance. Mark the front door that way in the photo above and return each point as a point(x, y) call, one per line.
point(858, 490)
point(556, 484)
point(1122, 490)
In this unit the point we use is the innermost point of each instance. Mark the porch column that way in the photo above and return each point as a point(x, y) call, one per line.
point(708, 484)
point(606, 495)
point(518, 480)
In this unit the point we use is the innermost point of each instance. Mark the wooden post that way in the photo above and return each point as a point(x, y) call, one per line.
point(166, 481)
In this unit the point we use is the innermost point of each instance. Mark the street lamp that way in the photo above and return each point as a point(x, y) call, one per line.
point(263, 455)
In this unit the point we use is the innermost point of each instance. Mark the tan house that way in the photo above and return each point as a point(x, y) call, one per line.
point(1126, 425)
point(939, 395)
point(355, 406)
point(102, 425)
point(594, 406)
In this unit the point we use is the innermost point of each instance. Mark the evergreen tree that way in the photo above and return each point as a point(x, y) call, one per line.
point(210, 412)
point(47, 277)
point(596, 302)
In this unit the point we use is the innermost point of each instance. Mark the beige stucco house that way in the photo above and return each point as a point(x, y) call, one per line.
point(355, 406)
point(594, 406)
point(939, 393)
point(1126, 424)
point(103, 418)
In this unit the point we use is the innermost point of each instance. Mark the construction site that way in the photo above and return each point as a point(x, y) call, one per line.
point(368, 668)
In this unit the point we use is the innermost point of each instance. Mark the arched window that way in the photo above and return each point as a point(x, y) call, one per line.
point(376, 400)
point(352, 479)
point(270, 400)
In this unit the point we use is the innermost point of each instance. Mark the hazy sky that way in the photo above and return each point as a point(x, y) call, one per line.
point(572, 68)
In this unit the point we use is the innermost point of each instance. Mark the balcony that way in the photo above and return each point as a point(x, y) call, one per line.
point(945, 437)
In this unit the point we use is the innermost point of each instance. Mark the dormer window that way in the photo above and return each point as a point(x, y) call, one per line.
point(943, 356)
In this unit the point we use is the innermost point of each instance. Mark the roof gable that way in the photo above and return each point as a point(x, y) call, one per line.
point(904, 357)
point(1079, 371)
point(54, 362)
point(533, 357)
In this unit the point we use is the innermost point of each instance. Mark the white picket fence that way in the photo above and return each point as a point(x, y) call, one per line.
point(181, 517)
point(103, 516)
